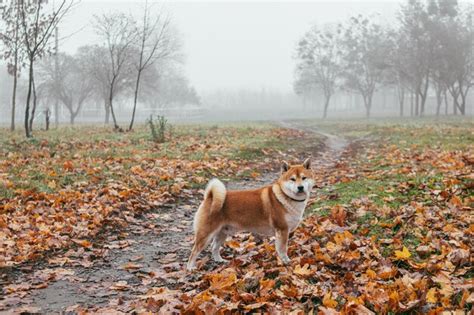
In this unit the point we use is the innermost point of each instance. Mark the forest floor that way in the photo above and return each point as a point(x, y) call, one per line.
point(95, 221)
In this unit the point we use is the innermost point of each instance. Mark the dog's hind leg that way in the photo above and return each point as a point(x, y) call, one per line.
point(202, 240)
point(219, 239)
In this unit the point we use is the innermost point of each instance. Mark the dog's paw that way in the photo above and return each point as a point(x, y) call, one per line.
point(285, 260)
point(220, 259)
point(190, 267)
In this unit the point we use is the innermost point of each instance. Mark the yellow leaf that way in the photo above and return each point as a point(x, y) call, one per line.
point(371, 274)
point(224, 280)
point(267, 284)
point(404, 254)
point(431, 296)
point(52, 184)
point(302, 271)
point(394, 297)
point(137, 169)
point(328, 301)
point(176, 189)
point(6, 183)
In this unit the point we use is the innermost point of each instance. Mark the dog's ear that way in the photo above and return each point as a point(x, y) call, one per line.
point(284, 166)
point(307, 163)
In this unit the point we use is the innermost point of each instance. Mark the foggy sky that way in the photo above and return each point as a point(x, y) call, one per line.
point(232, 45)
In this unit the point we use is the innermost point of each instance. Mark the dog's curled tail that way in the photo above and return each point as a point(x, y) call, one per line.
point(216, 191)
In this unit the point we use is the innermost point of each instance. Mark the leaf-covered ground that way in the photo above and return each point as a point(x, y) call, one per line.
point(64, 187)
point(389, 228)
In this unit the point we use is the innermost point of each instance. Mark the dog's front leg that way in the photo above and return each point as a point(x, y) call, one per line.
point(281, 244)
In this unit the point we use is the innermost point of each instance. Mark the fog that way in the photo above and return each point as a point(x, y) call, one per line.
point(233, 59)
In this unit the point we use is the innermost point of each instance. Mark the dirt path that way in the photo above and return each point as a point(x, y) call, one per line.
point(150, 252)
point(334, 145)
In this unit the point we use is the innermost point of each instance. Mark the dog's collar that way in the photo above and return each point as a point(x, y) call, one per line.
point(292, 199)
point(292, 208)
point(295, 199)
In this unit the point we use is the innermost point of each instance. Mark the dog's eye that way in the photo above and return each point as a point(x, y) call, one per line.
point(293, 179)
point(303, 178)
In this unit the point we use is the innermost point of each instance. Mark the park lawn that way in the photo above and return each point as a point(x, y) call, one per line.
point(387, 232)
point(63, 185)
point(407, 190)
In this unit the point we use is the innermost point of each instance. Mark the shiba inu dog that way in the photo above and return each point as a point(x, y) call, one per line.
point(274, 210)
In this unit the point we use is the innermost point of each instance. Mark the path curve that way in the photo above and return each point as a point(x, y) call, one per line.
point(335, 145)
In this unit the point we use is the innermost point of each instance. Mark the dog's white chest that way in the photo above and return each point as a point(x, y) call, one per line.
point(293, 218)
point(294, 209)
point(292, 221)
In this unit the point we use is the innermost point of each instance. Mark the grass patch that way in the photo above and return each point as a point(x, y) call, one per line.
point(95, 152)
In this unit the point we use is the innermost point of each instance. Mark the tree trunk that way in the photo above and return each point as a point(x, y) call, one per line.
point(56, 75)
point(47, 113)
point(28, 99)
point(107, 112)
point(424, 95)
point(417, 103)
point(33, 110)
point(462, 107)
point(327, 98)
point(454, 95)
point(72, 114)
point(401, 98)
point(116, 126)
point(368, 105)
point(446, 102)
point(137, 87)
point(56, 111)
point(411, 104)
point(439, 101)
point(15, 82)
point(422, 105)
point(15, 65)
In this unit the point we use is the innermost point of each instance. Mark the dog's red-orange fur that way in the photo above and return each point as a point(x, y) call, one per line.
point(269, 210)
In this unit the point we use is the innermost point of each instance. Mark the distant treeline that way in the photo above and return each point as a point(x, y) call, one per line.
point(136, 60)
point(429, 51)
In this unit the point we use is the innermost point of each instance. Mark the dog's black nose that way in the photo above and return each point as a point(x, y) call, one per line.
point(300, 188)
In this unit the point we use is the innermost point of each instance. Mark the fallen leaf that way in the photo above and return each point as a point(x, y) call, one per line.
point(404, 254)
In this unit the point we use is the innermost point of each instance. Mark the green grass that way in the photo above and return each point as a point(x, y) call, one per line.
point(453, 132)
point(92, 146)
point(381, 183)
point(381, 192)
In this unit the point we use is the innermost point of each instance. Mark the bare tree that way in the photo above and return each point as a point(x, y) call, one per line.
point(460, 58)
point(167, 87)
point(37, 27)
point(10, 36)
point(119, 34)
point(69, 82)
point(97, 71)
point(303, 85)
point(398, 74)
point(156, 43)
point(366, 57)
point(318, 55)
point(418, 45)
